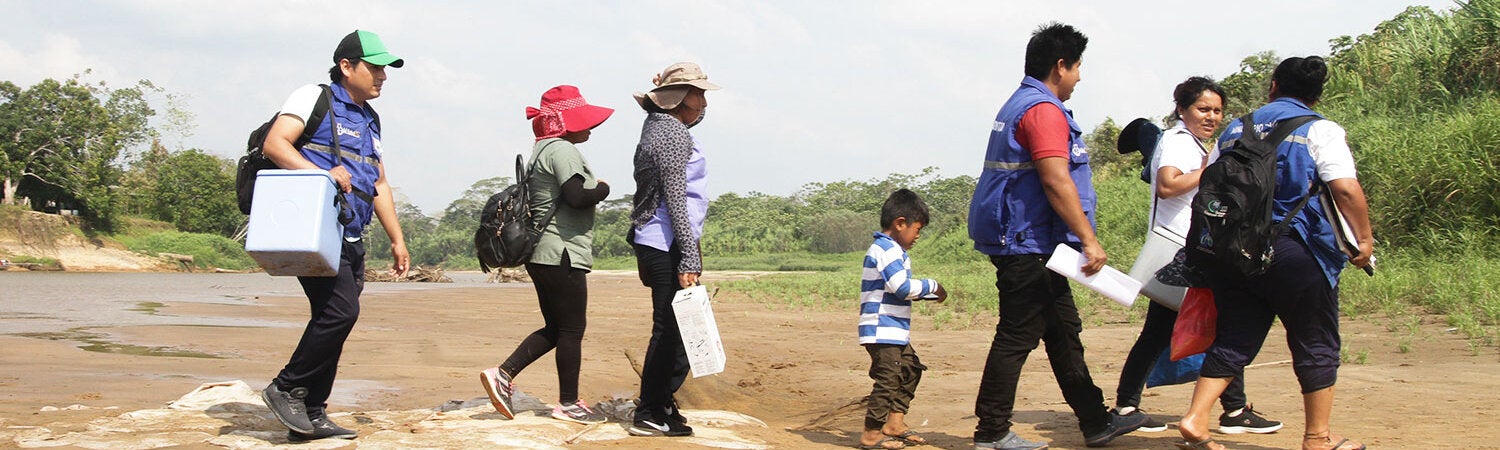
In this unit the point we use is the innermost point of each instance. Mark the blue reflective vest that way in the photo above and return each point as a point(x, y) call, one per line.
point(1296, 172)
point(1010, 214)
point(359, 137)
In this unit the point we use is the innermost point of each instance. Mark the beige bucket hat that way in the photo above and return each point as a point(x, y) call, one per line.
point(672, 85)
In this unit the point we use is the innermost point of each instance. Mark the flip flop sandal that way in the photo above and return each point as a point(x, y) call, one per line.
point(881, 444)
point(1200, 445)
point(1340, 445)
point(909, 437)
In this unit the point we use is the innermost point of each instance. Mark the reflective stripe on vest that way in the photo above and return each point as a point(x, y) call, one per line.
point(1224, 144)
point(345, 154)
point(1002, 165)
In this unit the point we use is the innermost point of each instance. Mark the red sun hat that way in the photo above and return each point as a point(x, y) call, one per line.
point(563, 110)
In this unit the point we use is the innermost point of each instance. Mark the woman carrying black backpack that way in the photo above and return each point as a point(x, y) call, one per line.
point(563, 187)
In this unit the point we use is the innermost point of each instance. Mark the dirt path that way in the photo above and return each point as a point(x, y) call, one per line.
point(792, 368)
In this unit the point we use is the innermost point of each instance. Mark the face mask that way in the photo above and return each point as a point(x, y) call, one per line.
point(701, 114)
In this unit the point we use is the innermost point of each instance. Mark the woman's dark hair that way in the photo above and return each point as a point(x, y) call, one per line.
point(1301, 78)
point(1050, 43)
point(903, 203)
point(1188, 92)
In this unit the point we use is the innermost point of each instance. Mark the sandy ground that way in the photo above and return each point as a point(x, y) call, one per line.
point(792, 368)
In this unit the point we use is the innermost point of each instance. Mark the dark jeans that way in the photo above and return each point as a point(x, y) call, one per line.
point(335, 307)
point(1295, 291)
point(666, 364)
point(1035, 304)
point(1156, 336)
point(896, 371)
point(562, 292)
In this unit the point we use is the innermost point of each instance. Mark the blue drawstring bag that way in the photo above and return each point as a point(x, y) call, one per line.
point(1168, 372)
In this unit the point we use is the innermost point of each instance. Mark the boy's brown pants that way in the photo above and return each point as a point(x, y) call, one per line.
point(896, 371)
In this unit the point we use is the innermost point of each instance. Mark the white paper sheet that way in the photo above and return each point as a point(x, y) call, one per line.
point(1109, 281)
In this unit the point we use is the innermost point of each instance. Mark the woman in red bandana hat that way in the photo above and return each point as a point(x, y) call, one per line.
point(562, 183)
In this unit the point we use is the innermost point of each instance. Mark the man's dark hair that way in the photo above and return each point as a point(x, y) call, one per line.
point(1301, 78)
point(903, 203)
point(1188, 92)
point(1050, 43)
point(335, 75)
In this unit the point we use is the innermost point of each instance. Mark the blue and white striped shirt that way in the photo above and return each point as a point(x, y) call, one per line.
point(886, 292)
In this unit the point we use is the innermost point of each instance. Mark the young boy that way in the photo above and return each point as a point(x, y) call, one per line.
point(886, 293)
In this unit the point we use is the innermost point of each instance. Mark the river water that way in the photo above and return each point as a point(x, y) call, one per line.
point(43, 302)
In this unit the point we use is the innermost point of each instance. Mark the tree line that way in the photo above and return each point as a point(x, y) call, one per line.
point(1419, 96)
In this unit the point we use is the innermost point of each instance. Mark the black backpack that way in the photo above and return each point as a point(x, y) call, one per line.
point(508, 233)
point(1231, 227)
point(255, 159)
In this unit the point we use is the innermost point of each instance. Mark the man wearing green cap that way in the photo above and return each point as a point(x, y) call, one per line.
point(346, 143)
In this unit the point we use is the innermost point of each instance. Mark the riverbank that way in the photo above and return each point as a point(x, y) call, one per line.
point(419, 346)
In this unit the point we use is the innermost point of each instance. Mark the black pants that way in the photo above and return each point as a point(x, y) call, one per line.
point(335, 308)
point(666, 364)
point(1295, 291)
point(896, 371)
point(1035, 304)
point(562, 292)
point(1156, 336)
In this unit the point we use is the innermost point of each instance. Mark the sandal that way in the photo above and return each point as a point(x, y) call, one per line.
point(884, 444)
point(1341, 445)
point(909, 437)
point(1200, 445)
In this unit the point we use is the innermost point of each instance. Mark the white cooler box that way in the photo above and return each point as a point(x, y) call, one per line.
point(294, 226)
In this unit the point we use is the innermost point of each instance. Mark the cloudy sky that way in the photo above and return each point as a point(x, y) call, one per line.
point(814, 91)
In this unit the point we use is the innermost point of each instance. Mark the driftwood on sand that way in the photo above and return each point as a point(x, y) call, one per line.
point(509, 275)
point(416, 274)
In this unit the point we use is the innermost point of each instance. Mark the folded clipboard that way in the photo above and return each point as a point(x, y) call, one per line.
point(1343, 236)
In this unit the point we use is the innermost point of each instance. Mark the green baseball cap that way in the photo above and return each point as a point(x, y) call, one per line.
point(366, 46)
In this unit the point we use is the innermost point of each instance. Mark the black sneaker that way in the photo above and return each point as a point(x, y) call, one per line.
point(1152, 425)
point(288, 407)
point(673, 413)
point(1246, 421)
point(322, 429)
point(654, 427)
point(1118, 426)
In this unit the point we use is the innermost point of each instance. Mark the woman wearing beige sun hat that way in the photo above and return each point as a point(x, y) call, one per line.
point(671, 200)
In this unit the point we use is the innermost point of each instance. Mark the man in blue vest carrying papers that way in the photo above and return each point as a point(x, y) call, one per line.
point(1036, 191)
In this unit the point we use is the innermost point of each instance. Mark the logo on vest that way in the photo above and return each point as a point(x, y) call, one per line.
point(346, 131)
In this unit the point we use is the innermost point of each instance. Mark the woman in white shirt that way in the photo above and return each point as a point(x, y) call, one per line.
point(1176, 165)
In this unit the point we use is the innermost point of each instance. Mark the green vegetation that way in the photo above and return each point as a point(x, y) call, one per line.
point(24, 259)
point(63, 142)
point(208, 250)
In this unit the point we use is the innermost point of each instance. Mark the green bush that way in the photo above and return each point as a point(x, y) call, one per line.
point(208, 250)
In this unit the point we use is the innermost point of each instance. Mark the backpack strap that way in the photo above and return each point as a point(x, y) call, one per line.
point(546, 219)
point(315, 118)
point(325, 101)
point(1279, 133)
point(1285, 127)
